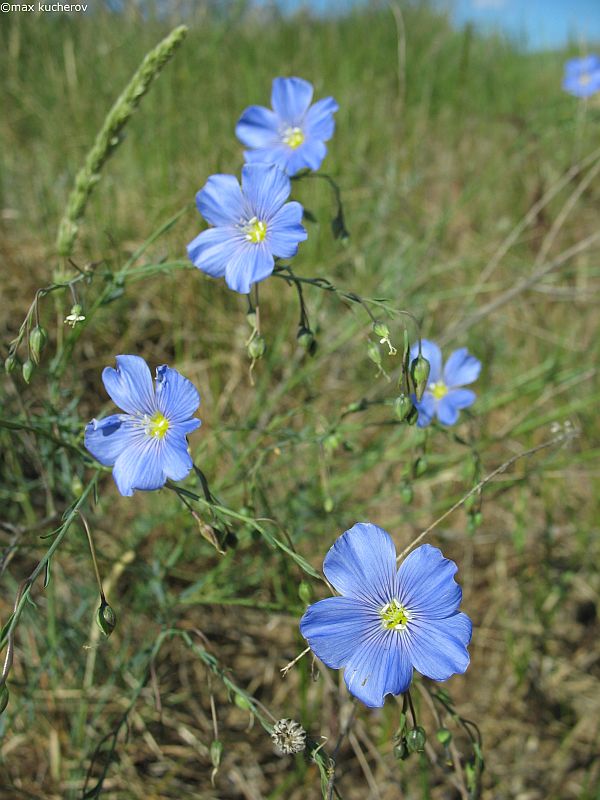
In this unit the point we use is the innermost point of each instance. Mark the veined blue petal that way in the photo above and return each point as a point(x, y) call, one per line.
point(130, 385)
point(258, 127)
point(438, 648)
point(107, 438)
point(220, 200)
point(140, 465)
point(266, 188)
point(252, 263)
point(461, 368)
point(177, 397)
point(290, 98)
point(461, 398)
point(577, 66)
point(362, 564)
point(212, 249)
point(336, 626)
point(433, 354)
point(319, 122)
point(278, 155)
point(446, 411)
point(425, 408)
point(310, 154)
point(379, 666)
point(285, 230)
point(176, 459)
point(426, 583)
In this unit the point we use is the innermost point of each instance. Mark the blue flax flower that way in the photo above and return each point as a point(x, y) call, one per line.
point(252, 225)
point(293, 135)
point(388, 620)
point(582, 76)
point(147, 444)
point(444, 395)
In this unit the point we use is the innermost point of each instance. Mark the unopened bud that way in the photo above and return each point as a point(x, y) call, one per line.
point(420, 466)
point(106, 618)
point(306, 338)
point(415, 740)
point(4, 698)
point(402, 406)
point(10, 364)
point(257, 347)
point(305, 592)
point(27, 370)
point(406, 493)
point(401, 751)
point(419, 372)
point(252, 319)
point(37, 341)
point(216, 751)
point(328, 505)
point(381, 329)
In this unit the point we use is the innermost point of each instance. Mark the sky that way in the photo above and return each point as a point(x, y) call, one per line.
point(540, 24)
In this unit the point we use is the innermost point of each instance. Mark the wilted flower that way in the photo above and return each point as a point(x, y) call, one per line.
point(293, 135)
point(253, 224)
point(147, 444)
point(388, 620)
point(288, 736)
point(582, 76)
point(444, 395)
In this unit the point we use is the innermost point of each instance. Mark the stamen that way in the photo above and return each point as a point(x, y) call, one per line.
point(157, 425)
point(255, 230)
point(438, 390)
point(394, 617)
point(293, 137)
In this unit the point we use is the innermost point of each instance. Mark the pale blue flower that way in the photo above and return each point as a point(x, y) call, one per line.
point(146, 445)
point(388, 620)
point(582, 76)
point(444, 396)
point(294, 133)
point(253, 225)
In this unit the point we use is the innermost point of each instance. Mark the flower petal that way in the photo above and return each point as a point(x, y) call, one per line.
point(266, 188)
point(319, 122)
point(107, 438)
point(438, 648)
point(130, 385)
point(176, 459)
point(251, 263)
point(177, 397)
point(310, 154)
point(279, 155)
point(140, 465)
point(286, 231)
point(290, 98)
point(461, 368)
point(257, 127)
point(426, 584)
point(380, 666)
point(220, 200)
point(446, 411)
point(578, 66)
point(362, 564)
point(433, 354)
point(212, 249)
point(425, 409)
point(336, 627)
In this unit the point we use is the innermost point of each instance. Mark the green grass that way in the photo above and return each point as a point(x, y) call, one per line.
point(440, 155)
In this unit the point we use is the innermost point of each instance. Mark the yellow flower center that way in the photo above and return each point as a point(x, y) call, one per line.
point(584, 79)
point(293, 137)
point(158, 425)
point(255, 230)
point(438, 390)
point(394, 617)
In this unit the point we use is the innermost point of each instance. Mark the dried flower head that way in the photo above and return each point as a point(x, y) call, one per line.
point(288, 736)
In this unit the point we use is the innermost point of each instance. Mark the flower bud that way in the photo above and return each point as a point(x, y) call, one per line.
point(306, 338)
point(252, 319)
point(305, 592)
point(331, 442)
point(257, 347)
point(328, 505)
point(406, 493)
point(37, 341)
point(401, 751)
point(420, 466)
point(4, 698)
point(106, 618)
point(10, 363)
point(402, 406)
point(419, 372)
point(374, 353)
point(27, 370)
point(216, 751)
point(415, 740)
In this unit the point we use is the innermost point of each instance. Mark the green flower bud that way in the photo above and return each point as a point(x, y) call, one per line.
point(216, 751)
point(420, 467)
point(419, 372)
point(444, 736)
point(406, 493)
point(37, 341)
point(4, 698)
point(257, 347)
point(10, 363)
point(27, 370)
point(305, 592)
point(402, 406)
point(374, 353)
point(328, 505)
point(305, 338)
point(252, 319)
point(415, 740)
point(381, 329)
point(401, 751)
point(106, 618)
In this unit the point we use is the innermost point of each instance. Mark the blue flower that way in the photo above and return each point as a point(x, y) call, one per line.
point(253, 224)
point(444, 396)
point(147, 444)
point(293, 135)
point(388, 620)
point(582, 76)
